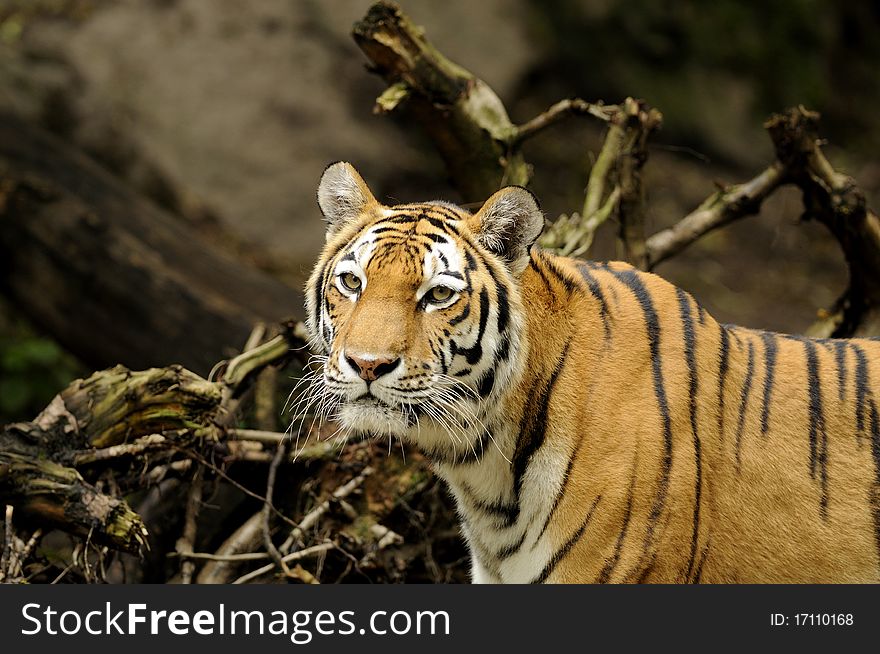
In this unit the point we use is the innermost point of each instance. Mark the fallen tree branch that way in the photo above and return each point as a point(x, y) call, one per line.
point(120, 413)
point(837, 202)
point(461, 114)
point(719, 209)
point(67, 225)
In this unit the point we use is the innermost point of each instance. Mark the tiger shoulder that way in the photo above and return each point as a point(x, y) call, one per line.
point(593, 422)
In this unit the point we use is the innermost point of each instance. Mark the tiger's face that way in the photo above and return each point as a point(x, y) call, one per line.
point(417, 310)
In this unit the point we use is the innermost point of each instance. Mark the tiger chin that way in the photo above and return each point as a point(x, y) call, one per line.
point(592, 421)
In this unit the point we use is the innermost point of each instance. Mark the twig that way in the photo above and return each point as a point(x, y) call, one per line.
point(315, 514)
point(294, 556)
point(141, 445)
point(159, 473)
point(255, 337)
point(62, 574)
point(7, 547)
point(719, 209)
point(280, 454)
point(384, 536)
point(619, 164)
point(273, 351)
point(239, 486)
point(257, 435)
point(558, 112)
point(186, 543)
point(308, 452)
point(31, 544)
point(243, 539)
point(221, 558)
point(600, 172)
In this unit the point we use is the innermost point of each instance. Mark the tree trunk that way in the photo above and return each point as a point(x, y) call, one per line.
point(113, 278)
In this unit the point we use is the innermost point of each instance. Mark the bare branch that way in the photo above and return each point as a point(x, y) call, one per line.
point(836, 201)
point(280, 455)
point(638, 122)
point(8, 542)
point(558, 112)
point(315, 514)
point(460, 113)
point(220, 568)
point(289, 558)
point(186, 542)
point(719, 209)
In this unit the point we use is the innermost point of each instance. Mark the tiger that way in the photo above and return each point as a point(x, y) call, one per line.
point(593, 423)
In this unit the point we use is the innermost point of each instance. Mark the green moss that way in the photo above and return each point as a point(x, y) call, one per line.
point(32, 370)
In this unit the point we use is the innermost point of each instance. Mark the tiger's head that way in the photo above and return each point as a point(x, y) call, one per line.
point(417, 311)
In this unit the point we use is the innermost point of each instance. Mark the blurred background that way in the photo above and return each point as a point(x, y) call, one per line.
point(225, 112)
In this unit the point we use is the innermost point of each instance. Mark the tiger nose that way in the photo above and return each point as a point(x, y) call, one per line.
point(370, 369)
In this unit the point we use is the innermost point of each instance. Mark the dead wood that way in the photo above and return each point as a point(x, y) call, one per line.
point(113, 278)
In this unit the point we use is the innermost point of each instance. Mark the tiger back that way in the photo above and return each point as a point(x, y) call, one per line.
point(592, 421)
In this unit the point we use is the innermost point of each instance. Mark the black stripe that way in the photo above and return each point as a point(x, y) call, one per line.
point(401, 219)
point(513, 548)
point(474, 354)
point(839, 347)
point(611, 563)
point(861, 387)
point(687, 324)
point(566, 548)
point(744, 399)
point(596, 292)
point(486, 383)
point(770, 348)
point(818, 435)
point(464, 314)
point(561, 492)
point(724, 356)
point(440, 224)
point(385, 229)
point(534, 265)
point(632, 279)
point(564, 279)
point(448, 214)
point(436, 238)
point(470, 263)
point(698, 575)
point(875, 451)
point(503, 304)
point(533, 428)
point(504, 511)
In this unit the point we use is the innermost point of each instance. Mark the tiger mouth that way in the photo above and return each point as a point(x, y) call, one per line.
point(370, 400)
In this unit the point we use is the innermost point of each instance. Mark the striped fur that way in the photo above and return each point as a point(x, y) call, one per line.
point(593, 422)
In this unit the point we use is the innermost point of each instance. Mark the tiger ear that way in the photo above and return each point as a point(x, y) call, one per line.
point(508, 224)
point(343, 196)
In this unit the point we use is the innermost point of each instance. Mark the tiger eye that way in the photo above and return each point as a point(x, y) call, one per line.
point(350, 281)
point(439, 294)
